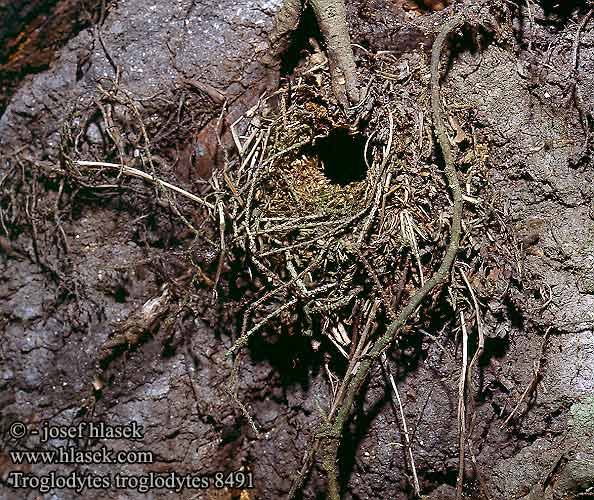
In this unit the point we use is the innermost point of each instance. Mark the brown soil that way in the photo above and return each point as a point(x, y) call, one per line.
point(79, 263)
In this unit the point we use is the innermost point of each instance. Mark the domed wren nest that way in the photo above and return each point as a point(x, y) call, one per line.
point(327, 208)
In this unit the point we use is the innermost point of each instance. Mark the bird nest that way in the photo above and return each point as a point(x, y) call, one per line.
point(333, 212)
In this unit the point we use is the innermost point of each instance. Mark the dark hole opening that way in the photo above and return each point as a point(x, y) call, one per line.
point(295, 52)
point(342, 156)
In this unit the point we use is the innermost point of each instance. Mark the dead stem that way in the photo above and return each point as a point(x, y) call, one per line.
point(462, 408)
point(134, 172)
point(233, 394)
point(407, 441)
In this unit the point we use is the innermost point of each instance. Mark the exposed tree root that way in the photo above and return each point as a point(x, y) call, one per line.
point(330, 432)
point(331, 17)
point(142, 320)
point(287, 21)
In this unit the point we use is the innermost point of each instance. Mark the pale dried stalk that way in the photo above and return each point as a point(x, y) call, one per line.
point(134, 172)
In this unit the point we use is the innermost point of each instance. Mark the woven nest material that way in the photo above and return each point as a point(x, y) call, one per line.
point(327, 248)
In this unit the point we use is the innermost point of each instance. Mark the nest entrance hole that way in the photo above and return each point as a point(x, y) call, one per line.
point(342, 154)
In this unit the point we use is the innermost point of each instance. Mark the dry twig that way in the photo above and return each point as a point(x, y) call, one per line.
point(407, 441)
